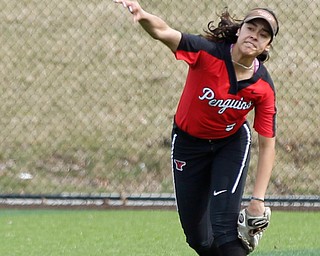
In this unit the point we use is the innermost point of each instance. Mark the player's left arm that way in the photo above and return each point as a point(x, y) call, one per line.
point(265, 164)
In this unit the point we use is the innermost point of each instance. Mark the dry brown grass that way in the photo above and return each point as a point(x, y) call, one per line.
point(87, 97)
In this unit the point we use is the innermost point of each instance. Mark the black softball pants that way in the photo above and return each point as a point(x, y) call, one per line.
point(209, 178)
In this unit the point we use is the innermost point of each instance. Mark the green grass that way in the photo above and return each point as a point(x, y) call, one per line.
point(136, 233)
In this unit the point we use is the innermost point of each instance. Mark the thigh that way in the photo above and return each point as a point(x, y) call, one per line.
point(229, 171)
point(191, 171)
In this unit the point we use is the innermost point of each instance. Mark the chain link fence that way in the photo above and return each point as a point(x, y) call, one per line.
point(87, 97)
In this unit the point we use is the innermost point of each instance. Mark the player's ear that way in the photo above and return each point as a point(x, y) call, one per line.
point(267, 49)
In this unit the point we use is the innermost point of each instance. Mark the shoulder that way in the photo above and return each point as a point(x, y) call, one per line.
point(265, 76)
point(196, 43)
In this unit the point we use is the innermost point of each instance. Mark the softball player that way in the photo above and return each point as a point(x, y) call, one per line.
point(211, 138)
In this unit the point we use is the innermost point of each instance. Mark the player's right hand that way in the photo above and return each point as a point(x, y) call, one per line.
point(133, 6)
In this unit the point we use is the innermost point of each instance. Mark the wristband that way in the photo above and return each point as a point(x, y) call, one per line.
point(257, 199)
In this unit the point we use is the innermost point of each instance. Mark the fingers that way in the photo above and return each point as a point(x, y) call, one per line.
point(124, 4)
point(133, 7)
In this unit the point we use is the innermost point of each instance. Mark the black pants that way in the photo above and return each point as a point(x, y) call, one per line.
point(209, 177)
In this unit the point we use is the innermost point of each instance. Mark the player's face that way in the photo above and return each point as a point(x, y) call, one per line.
point(254, 37)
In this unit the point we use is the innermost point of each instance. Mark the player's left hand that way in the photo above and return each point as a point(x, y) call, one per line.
point(256, 208)
point(251, 228)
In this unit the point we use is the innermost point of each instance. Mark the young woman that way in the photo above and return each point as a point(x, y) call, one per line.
point(211, 138)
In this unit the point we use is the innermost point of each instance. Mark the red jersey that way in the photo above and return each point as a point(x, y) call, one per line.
point(214, 104)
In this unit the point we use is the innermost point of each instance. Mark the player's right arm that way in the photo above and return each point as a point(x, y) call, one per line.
point(153, 25)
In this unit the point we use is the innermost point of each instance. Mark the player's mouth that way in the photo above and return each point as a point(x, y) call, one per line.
point(250, 45)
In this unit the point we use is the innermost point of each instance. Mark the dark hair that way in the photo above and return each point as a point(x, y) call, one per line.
point(226, 31)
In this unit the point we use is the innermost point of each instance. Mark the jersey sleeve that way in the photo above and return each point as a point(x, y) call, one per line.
point(265, 113)
point(190, 48)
